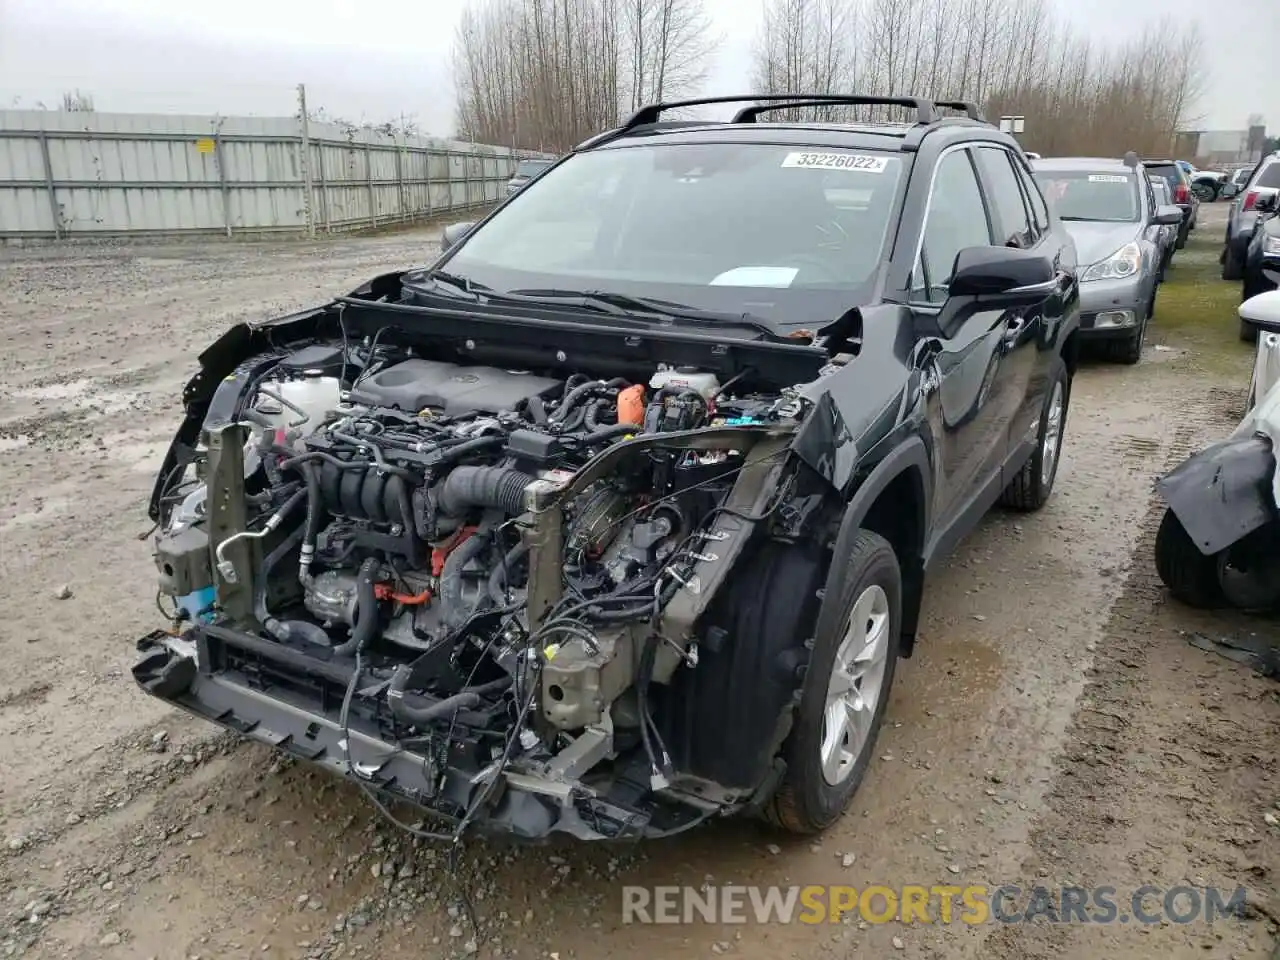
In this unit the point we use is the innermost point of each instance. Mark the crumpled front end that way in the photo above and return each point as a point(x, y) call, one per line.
point(479, 589)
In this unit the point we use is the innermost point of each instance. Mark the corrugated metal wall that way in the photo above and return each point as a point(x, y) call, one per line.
point(103, 175)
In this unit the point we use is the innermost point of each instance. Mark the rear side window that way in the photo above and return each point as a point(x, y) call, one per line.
point(1268, 176)
point(1012, 225)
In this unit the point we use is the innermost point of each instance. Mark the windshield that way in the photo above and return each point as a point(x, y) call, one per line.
point(531, 168)
point(1080, 195)
point(742, 227)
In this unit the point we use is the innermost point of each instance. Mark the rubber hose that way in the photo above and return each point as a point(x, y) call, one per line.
point(595, 411)
point(498, 579)
point(366, 611)
point(572, 397)
point(400, 491)
point(609, 432)
point(419, 716)
point(302, 458)
point(450, 454)
point(451, 575)
point(283, 629)
point(500, 487)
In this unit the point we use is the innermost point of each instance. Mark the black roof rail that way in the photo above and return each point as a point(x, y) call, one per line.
point(923, 108)
point(968, 107)
point(650, 113)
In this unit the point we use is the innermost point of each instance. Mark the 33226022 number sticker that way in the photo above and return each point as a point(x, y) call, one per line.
point(837, 161)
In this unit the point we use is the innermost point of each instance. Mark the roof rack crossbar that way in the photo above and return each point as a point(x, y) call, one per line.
point(968, 107)
point(923, 108)
point(650, 113)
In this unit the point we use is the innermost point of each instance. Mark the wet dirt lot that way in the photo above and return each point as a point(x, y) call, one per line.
point(1055, 727)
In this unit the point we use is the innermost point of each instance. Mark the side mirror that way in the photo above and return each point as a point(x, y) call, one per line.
point(453, 233)
point(1267, 203)
point(1002, 275)
point(1262, 311)
point(1167, 215)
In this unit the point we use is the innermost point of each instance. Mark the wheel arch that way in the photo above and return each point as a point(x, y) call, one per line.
point(893, 501)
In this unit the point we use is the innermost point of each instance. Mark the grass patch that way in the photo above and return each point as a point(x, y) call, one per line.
point(1196, 311)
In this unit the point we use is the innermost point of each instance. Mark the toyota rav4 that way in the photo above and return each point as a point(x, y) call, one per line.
point(618, 515)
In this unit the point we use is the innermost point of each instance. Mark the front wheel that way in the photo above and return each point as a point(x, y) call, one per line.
point(1205, 192)
point(1030, 488)
point(846, 688)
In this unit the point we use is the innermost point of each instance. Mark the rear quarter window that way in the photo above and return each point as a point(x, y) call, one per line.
point(1268, 176)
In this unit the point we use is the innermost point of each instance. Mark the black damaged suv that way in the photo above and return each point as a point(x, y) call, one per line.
point(618, 515)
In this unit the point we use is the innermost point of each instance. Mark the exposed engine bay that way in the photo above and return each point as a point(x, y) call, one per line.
point(493, 584)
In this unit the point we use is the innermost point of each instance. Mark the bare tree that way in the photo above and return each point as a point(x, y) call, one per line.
point(807, 46)
point(77, 101)
point(1010, 56)
point(544, 74)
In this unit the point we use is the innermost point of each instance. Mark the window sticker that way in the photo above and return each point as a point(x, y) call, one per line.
point(1107, 178)
point(837, 161)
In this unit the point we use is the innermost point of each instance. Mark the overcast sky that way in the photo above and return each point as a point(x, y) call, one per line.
point(376, 59)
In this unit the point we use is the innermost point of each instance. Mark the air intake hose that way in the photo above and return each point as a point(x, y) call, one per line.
point(499, 487)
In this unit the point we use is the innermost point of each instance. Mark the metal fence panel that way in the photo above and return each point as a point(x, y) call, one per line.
point(104, 175)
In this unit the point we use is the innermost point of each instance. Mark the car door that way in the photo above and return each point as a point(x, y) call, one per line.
point(1026, 351)
point(968, 410)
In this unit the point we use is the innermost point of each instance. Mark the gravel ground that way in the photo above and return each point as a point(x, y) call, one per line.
point(1054, 727)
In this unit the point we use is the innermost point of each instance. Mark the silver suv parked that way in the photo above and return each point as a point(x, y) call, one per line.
point(1263, 181)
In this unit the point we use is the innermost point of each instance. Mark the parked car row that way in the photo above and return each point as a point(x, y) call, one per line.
point(1262, 181)
point(1125, 235)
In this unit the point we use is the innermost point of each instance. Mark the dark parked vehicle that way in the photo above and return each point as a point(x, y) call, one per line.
point(1110, 211)
point(1262, 257)
point(526, 170)
point(1180, 188)
point(618, 515)
point(1263, 181)
point(1168, 232)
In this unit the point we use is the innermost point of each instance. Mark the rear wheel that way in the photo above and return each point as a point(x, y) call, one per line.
point(1030, 488)
point(1189, 574)
point(1232, 268)
point(1248, 332)
point(1205, 192)
point(846, 689)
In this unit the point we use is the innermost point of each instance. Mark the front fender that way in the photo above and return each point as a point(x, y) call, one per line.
point(1223, 492)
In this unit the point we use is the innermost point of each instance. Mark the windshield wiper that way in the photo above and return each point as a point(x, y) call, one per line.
point(622, 304)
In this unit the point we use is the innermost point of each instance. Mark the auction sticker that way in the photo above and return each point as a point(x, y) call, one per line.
point(837, 161)
point(1107, 178)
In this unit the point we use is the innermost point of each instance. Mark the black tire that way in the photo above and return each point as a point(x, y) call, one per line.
point(1248, 332)
point(1189, 574)
point(1030, 489)
point(1206, 192)
point(805, 802)
point(1128, 350)
point(1182, 237)
point(1232, 268)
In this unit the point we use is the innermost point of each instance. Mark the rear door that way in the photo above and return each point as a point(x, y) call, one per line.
point(1027, 347)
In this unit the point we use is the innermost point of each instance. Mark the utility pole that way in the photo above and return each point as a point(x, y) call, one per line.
point(303, 126)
